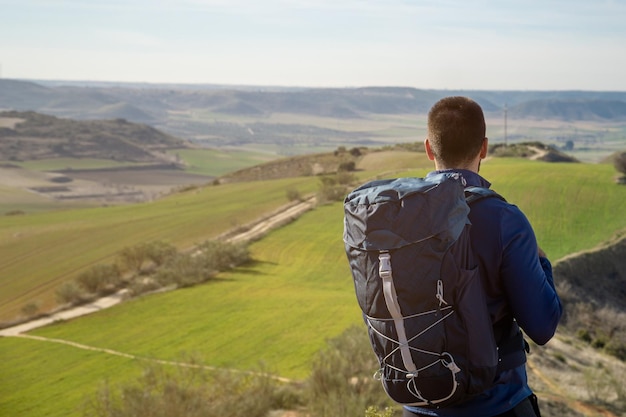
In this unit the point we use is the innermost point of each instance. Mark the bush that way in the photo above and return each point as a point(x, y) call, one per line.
point(341, 382)
point(375, 412)
point(616, 348)
point(189, 391)
point(159, 252)
point(347, 166)
point(133, 258)
point(584, 335)
point(619, 162)
point(30, 309)
point(100, 279)
point(221, 256)
point(70, 292)
point(293, 195)
point(212, 257)
point(184, 270)
point(355, 152)
point(334, 188)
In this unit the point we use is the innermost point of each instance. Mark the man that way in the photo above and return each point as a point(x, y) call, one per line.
point(516, 274)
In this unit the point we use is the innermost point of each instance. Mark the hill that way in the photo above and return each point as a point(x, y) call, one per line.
point(281, 307)
point(32, 136)
point(146, 101)
point(593, 285)
point(295, 121)
point(580, 109)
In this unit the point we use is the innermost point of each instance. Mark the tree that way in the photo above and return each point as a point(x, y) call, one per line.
point(619, 161)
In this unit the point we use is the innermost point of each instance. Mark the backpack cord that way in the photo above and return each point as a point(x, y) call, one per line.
point(391, 299)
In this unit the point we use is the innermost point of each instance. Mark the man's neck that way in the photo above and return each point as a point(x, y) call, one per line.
point(474, 166)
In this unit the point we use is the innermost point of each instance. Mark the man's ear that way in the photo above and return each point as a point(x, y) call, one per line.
point(429, 151)
point(484, 148)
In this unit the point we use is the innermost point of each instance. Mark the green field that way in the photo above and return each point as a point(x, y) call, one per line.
point(42, 250)
point(277, 310)
point(214, 162)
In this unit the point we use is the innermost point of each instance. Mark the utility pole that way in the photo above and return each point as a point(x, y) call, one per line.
point(505, 133)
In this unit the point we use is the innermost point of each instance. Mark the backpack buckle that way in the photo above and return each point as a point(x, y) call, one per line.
point(384, 265)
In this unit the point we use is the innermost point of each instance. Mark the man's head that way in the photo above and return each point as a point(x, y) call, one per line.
point(456, 133)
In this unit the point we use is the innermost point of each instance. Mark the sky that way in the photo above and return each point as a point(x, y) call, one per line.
point(429, 44)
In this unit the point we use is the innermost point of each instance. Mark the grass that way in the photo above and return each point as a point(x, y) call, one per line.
point(274, 302)
point(18, 200)
point(49, 379)
point(40, 251)
point(214, 162)
point(571, 206)
point(280, 309)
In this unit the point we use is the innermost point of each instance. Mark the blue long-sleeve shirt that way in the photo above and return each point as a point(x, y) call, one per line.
point(519, 286)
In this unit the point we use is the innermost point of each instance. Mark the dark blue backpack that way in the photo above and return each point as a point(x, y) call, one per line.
point(418, 285)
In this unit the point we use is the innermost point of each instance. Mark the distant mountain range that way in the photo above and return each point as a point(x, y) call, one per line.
point(148, 103)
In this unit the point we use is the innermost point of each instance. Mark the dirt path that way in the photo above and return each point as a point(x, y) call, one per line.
point(254, 231)
point(539, 153)
point(129, 356)
point(100, 304)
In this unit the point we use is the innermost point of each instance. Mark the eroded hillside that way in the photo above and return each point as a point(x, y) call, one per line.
point(30, 136)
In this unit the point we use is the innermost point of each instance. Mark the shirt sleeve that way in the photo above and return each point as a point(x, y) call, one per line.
point(527, 279)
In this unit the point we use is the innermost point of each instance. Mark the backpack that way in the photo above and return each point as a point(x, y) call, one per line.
point(419, 287)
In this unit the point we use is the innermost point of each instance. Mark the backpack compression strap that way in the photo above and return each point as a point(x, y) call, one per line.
point(391, 299)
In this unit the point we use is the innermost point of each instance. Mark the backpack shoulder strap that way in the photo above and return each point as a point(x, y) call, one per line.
point(512, 351)
point(473, 194)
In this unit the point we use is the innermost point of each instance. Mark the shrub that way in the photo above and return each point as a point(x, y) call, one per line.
point(221, 256)
point(211, 257)
point(376, 412)
point(143, 285)
point(30, 309)
point(341, 382)
point(293, 195)
point(616, 348)
point(100, 279)
point(189, 391)
point(619, 162)
point(132, 258)
point(584, 335)
point(347, 166)
point(355, 152)
point(334, 188)
point(70, 292)
point(159, 252)
point(329, 193)
point(184, 270)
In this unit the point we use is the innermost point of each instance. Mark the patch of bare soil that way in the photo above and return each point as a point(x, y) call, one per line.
point(572, 377)
point(10, 122)
point(107, 186)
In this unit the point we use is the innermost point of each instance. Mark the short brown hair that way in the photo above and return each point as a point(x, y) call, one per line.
point(456, 130)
